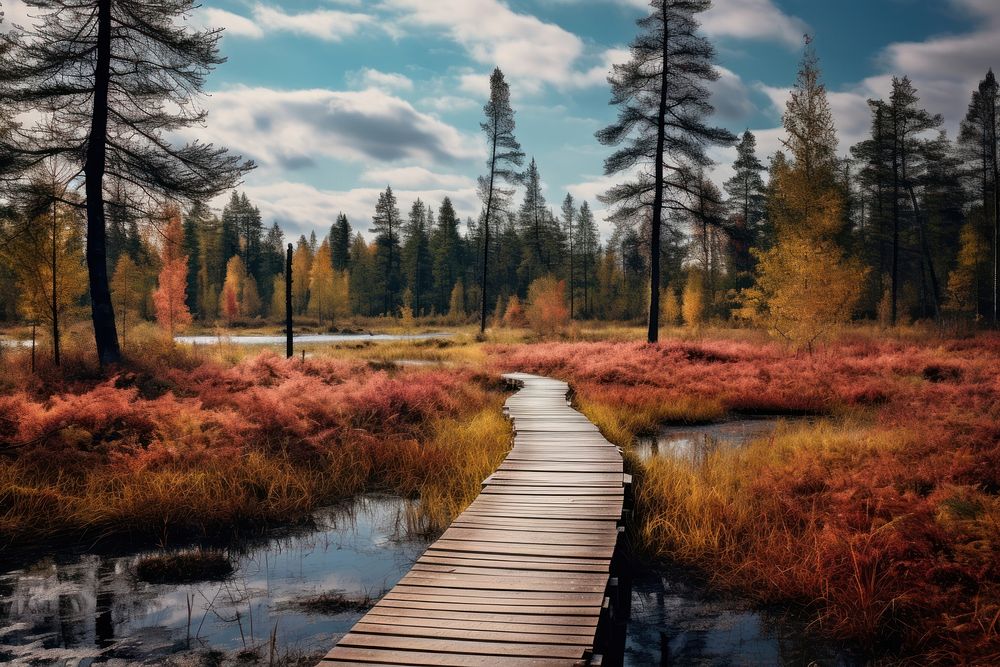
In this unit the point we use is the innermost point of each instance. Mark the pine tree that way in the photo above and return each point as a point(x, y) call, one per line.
point(874, 157)
point(748, 206)
point(706, 219)
point(979, 136)
point(340, 243)
point(417, 262)
point(664, 100)
point(114, 77)
point(587, 250)
point(504, 155)
point(569, 213)
point(446, 251)
point(386, 225)
point(273, 263)
point(229, 234)
point(532, 220)
point(362, 282)
point(911, 124)
point(194, 221)
point(804, 285)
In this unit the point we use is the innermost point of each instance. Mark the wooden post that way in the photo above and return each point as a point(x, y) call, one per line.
point(288, 303)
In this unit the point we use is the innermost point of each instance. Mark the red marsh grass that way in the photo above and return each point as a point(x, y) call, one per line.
point(882, 518)
point(183, 448)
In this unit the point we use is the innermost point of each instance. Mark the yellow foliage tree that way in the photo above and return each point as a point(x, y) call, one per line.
point(693, 308)
point(321, 299)
point(456, 307)
point(127, 293)
point(670, 307)
point(805, 286)
point(278, 298)
point(301, 269)
point(964, 281)
point(46, 257)
point(233, 289)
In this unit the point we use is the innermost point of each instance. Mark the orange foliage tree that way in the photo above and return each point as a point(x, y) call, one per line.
point(547, 312)
point(170, 297)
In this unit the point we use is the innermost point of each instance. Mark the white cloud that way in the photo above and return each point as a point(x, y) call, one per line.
point(416, 178)
point(531, 52)
point(760, 20)
point(730, 96)
point(233, 24)
point(373, 78)
point(300, 208)
point(945, 69)
point(291, 129)
point(449, 103)
point(753, 19)
point(521, 44)
point(325, 24)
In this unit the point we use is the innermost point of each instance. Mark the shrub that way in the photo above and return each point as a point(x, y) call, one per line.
point(547, 312)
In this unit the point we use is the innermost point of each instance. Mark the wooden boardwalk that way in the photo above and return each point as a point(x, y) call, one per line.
point(522, 576)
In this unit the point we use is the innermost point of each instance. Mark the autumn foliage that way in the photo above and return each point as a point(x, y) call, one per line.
point(547, 312)
point(881, 518)
point(170, 295)
point(168, 452)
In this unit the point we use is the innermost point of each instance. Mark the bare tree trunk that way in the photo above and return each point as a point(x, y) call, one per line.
point(102, 310)
point(55, 282)
point(926, 251)
point(486, 233)
point(996, 211)
point(288, 302)
point(895, 218)
point(653, 330)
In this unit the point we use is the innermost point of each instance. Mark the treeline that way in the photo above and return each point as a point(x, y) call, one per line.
point(902, 227)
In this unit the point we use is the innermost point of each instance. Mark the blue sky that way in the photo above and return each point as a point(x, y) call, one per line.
point(335, 99)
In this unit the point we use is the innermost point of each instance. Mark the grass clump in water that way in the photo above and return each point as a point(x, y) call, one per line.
point(184, 567)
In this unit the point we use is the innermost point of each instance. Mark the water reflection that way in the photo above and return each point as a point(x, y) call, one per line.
point(697, 443)
point(675, 622)
point(90, 608)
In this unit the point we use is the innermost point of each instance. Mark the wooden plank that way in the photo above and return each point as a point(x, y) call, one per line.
point(469, 633)
point(435, 616)
point(521, 576)
point(349, 655)
point(525, 649)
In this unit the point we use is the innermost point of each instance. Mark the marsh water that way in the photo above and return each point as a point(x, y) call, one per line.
point(303, 339)
point(676, 620)
point(90, 608)
point(696, 443)
point(86, 608)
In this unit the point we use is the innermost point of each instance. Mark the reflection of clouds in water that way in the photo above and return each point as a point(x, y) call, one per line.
point(86, 607)
point(696, 443)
